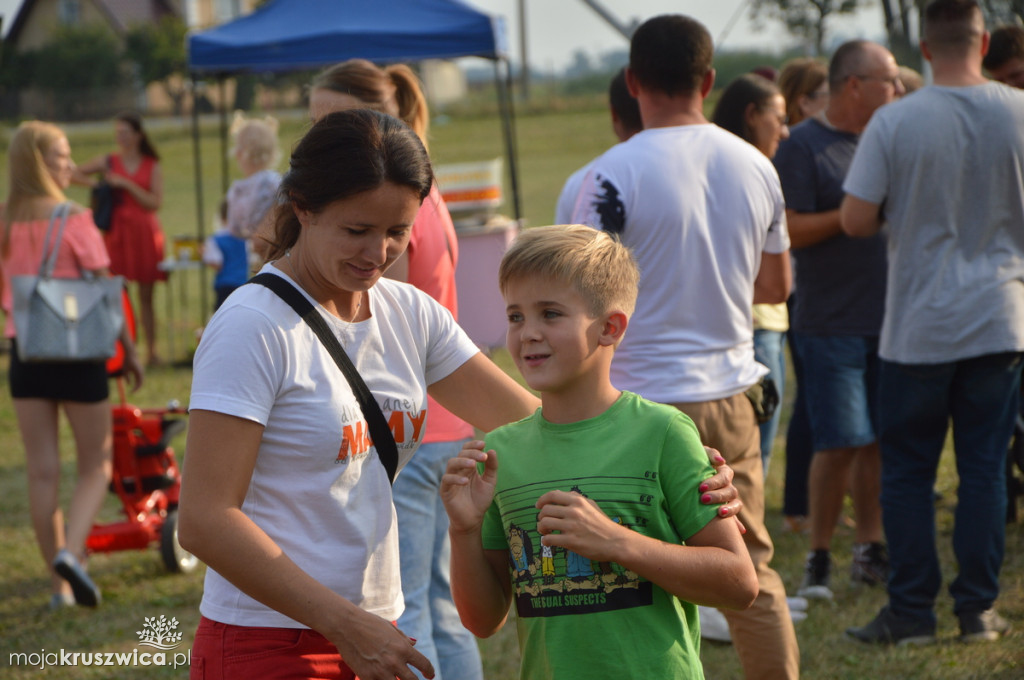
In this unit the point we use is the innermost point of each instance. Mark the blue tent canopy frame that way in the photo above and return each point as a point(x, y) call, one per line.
point(292, 35)
point(288, 35)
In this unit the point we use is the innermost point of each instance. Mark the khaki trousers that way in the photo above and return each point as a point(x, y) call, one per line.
point(763, 634)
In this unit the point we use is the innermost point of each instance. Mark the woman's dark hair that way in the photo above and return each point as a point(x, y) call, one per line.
point(624, 104)
point(731, 110)
point(344, 154)
point(134, 121)
point(1005, 43)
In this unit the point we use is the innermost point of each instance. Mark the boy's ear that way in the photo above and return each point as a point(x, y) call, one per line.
point(615, 323)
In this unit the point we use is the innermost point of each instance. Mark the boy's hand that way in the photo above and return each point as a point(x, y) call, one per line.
point(719, 489)
point(467, 494)
point(581, 525)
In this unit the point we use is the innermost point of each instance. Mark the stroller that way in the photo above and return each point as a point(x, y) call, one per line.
point(145, 477)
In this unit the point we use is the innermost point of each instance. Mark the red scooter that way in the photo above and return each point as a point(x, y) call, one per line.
point(147, 481)
point(145, 476)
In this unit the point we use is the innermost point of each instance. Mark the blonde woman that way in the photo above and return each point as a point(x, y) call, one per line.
point(804, 84)
point(257, 152)
point(248, 203)
point(39, 170)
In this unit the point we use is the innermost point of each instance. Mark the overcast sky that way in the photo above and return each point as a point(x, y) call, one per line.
point(556, 29)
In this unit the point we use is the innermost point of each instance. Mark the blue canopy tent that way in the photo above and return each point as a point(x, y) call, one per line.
point(289, 35)
point(286, 35)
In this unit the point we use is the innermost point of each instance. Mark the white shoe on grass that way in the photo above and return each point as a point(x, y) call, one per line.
point(713, 625)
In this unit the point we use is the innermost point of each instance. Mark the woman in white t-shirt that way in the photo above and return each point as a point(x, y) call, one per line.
point(284, 496)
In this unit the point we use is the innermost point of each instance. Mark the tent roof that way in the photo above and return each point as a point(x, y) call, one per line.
point(287, 35)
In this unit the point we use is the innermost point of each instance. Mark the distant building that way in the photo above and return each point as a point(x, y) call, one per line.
point(33, 26)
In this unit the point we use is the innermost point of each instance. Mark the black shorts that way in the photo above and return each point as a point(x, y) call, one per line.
point(84, 381)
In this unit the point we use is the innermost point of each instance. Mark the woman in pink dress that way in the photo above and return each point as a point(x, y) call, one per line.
point(135, 240)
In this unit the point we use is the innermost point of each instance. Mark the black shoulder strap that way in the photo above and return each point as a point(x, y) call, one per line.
point(380, 433)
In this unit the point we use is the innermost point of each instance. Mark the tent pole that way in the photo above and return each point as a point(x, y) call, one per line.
point(504, 87)
point(200, 209)
point(224, 170)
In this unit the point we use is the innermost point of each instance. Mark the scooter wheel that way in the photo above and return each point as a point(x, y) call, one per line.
point(176, 558)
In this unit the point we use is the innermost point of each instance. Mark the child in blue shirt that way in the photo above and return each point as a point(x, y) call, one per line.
point(230, 256)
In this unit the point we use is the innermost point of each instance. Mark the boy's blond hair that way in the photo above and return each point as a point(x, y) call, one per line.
point(596, 264)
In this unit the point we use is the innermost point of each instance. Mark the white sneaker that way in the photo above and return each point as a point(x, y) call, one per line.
point(797, 604)
point(713, 625)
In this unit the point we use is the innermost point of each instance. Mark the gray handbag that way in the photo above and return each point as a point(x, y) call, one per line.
point(65, 319)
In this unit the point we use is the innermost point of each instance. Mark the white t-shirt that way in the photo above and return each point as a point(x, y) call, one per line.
point(567, 200)
point(318, 488)
point(697, 206)
point(947, 163)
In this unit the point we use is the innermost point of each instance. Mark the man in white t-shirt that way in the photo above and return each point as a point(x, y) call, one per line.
point(703, 213)
point(944, 169)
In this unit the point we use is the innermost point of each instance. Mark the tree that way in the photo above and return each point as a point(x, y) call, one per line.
point(806, 19)
point(581, 65)
point(157, 50)
point(77, 65)
point(897, 15)
point(1004, 11)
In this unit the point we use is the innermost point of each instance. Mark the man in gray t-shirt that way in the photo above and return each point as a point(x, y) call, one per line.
point(946, 166)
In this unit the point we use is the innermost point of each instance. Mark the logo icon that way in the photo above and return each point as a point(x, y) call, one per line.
point(159, 633)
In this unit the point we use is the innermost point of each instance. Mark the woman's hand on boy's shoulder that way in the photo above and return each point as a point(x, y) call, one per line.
point(720, 489)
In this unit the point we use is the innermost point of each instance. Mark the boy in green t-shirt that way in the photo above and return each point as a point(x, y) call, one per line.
point(584, 527)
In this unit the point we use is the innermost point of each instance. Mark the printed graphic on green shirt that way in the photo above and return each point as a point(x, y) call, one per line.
point(553, 581)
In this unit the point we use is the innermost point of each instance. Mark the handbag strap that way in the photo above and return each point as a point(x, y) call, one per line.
point(49, 260)
point(380, 433)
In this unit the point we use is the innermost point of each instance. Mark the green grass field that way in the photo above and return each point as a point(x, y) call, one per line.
point(136, 585)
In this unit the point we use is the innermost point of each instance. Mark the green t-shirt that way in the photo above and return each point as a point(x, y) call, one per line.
point(642, 463)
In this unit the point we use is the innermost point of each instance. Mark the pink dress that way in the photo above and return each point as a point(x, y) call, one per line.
point(135, 240)
point(433, 255)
